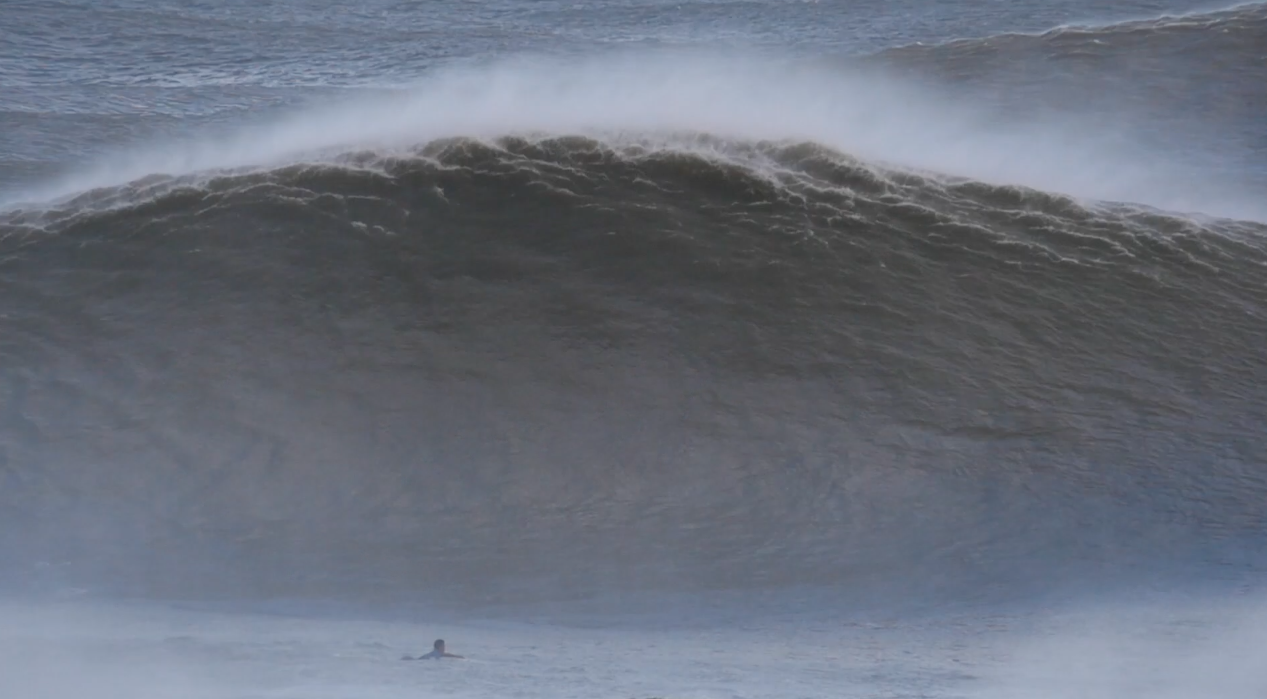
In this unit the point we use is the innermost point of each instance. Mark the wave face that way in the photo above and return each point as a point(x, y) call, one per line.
point(904, 315)
point(545, 366)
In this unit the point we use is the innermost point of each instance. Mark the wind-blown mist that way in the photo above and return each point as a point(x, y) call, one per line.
point(668, 97)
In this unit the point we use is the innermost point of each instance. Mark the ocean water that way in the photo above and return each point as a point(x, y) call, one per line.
point(639, 349)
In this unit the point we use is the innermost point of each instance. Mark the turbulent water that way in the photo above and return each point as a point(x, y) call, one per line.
point(527, 302)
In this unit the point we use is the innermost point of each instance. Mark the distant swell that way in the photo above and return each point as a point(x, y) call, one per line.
point(1195, 84)
point(472, 367)
point(1229, 38)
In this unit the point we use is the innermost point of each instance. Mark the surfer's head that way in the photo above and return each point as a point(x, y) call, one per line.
point(438, 645)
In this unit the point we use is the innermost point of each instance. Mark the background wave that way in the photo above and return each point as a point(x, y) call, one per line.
point(1190, 84)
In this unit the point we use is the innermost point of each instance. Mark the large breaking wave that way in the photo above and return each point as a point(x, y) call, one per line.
point(686, 326)
point(488, 363)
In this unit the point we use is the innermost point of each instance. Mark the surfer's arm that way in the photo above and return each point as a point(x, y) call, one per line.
point(450, 655)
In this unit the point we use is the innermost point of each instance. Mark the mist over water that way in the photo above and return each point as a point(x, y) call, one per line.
point(668, 99)
point(926, 343)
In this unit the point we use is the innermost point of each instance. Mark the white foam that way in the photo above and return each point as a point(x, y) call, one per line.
point(1189, 650)
point(1163, 651)
point(86, 652)
point(736, 96)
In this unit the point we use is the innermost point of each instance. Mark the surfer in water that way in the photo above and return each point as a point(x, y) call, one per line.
point(437, 652)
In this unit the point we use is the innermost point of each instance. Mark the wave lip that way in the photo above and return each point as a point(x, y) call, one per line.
point(861, 110)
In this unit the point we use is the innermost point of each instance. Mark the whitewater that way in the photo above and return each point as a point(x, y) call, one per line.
point(636, 349)
point(70, 649)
